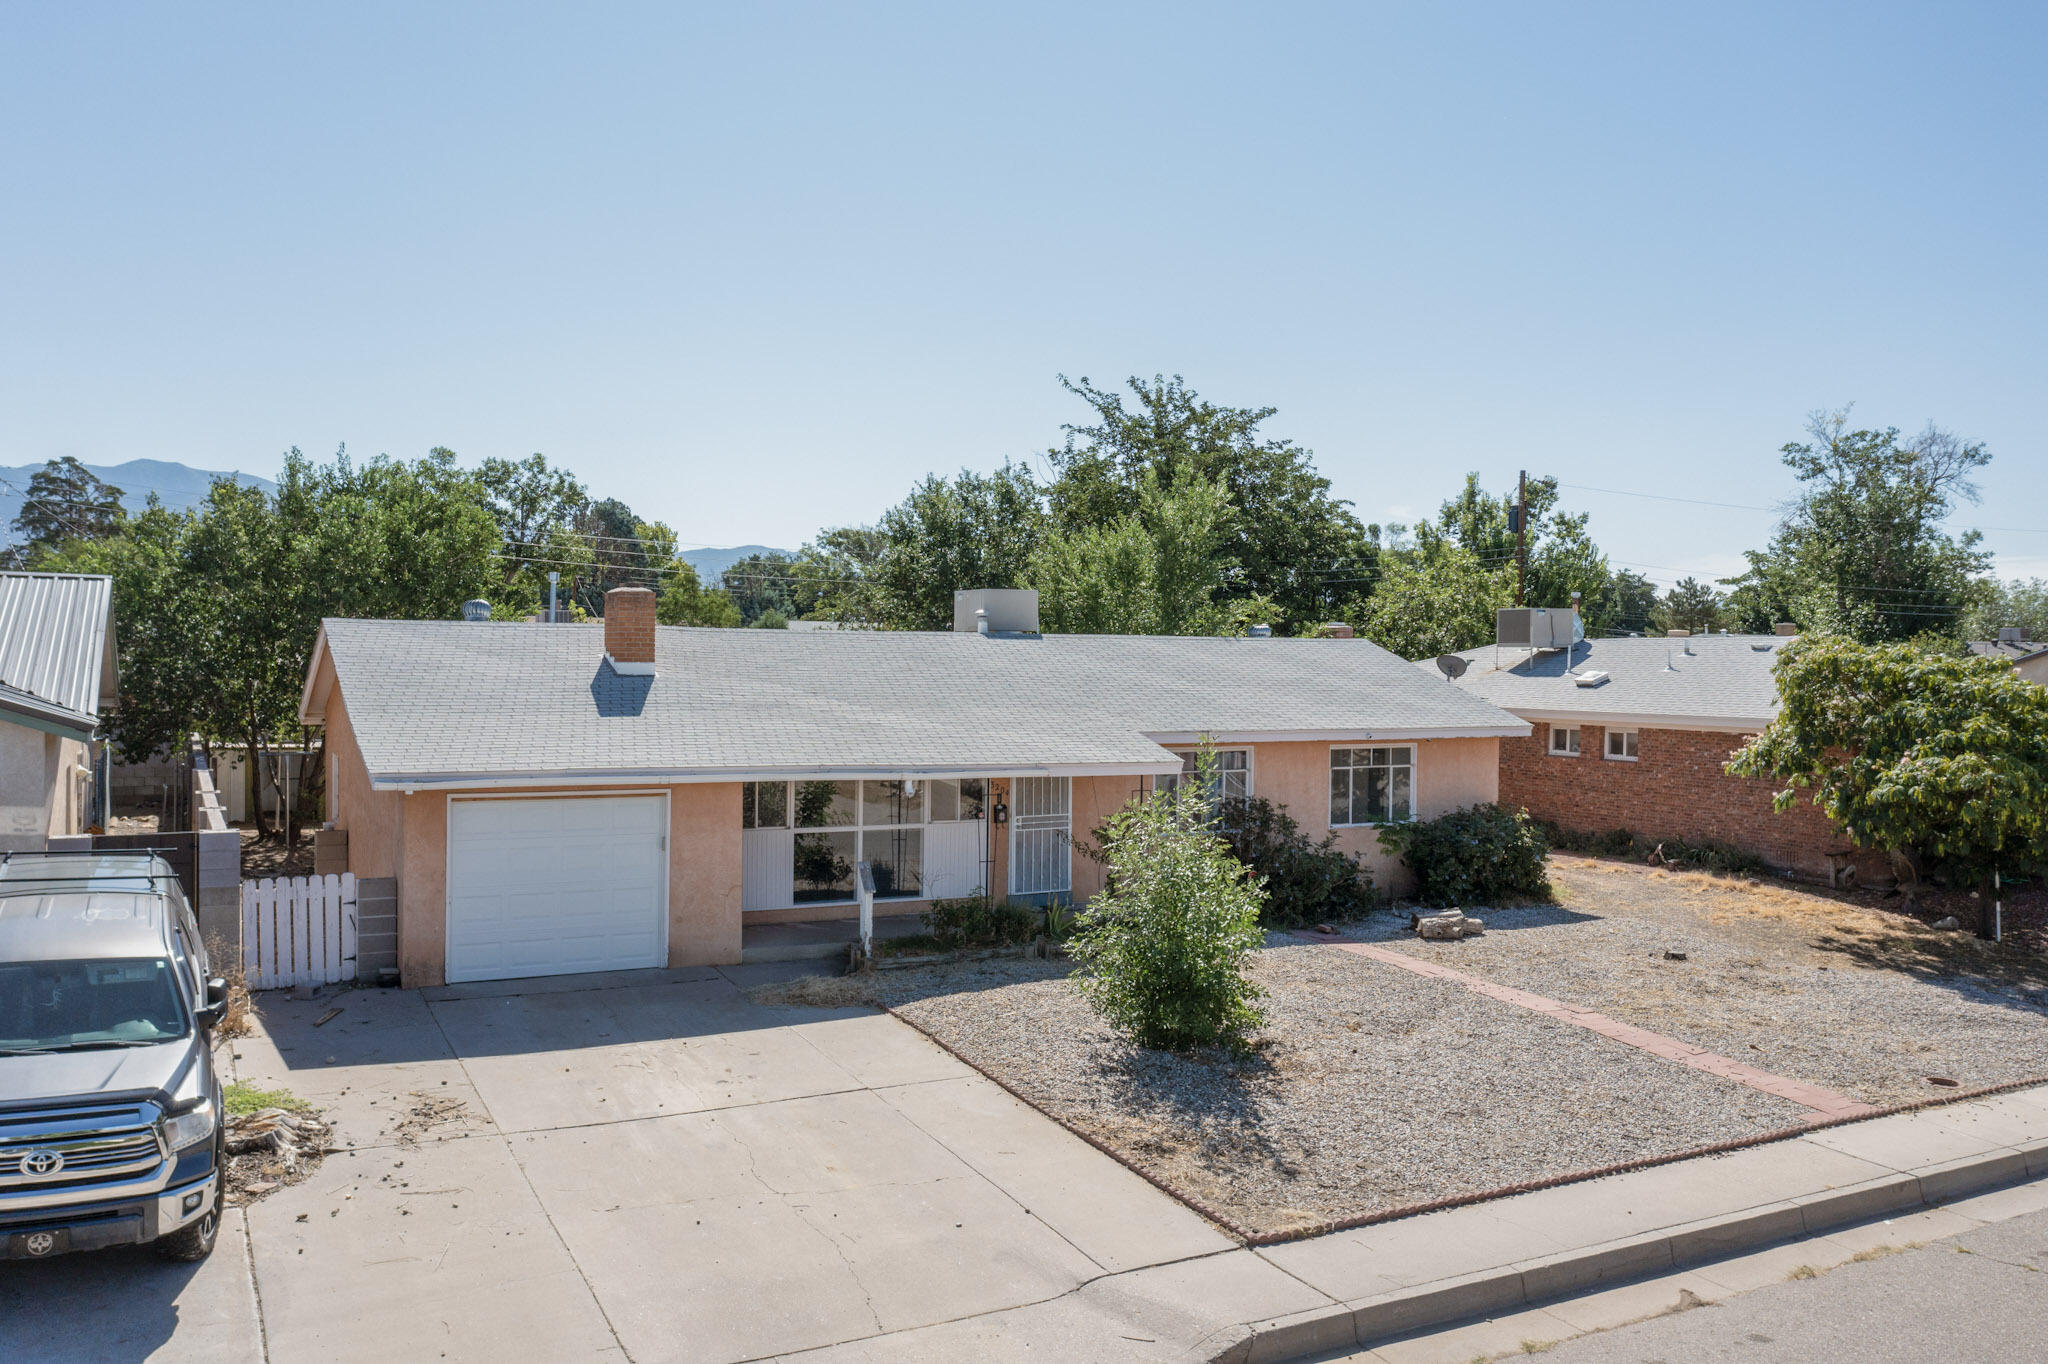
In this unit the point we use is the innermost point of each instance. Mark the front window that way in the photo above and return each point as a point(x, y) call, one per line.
point(1372, 785)
point(1621, 745)
point(835, 825)
point(85, 1005)
point(1232, 779)
point(1564, 742)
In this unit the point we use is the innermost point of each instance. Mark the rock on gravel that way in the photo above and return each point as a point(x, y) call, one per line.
point(1370, 1088)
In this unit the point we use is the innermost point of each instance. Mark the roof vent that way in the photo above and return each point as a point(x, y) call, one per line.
point(1258, 632)
point(1592, 677)
point(1760, 648)
point(476, 608)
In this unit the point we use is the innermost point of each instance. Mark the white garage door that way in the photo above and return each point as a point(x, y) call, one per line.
point(547, 887)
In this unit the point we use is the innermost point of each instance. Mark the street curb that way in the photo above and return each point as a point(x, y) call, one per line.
point(1530, 1283)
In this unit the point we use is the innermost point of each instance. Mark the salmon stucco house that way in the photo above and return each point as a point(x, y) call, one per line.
point(552, 798)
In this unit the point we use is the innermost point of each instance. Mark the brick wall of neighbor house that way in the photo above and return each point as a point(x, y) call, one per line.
point(1676, 788)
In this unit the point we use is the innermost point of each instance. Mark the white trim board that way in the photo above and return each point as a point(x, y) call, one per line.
point(1719, 724)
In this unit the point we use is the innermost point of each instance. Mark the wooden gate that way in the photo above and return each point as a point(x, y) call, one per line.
point(298, 930)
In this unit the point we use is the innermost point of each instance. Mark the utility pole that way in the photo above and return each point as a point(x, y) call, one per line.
point(1521, 536)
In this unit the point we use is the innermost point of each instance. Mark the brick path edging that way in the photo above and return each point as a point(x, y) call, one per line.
point(1825, 1103)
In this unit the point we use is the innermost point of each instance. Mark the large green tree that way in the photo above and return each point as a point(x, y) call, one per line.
point(950, 535)
point(64, 502)
point(1289, 539)
point(1863, 552)
point(1436, 601)
point(1922, 755)
point(219, 605)
point(1161, 570)
point(1690, 605)
point(1997, 604)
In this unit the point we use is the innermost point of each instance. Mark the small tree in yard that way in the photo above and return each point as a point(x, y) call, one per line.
point(1165, 946)
point(1912, 753)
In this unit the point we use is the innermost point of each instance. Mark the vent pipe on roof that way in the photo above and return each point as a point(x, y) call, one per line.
point(476, 608)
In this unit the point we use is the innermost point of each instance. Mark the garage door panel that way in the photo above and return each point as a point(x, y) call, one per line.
point(546, 887)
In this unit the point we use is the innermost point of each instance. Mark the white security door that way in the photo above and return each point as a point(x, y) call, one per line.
point(550, 887)
point(1041, 852)
point(953, 854)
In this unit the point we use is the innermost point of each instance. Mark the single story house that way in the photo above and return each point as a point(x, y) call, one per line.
point(578, 797)
point(2016, 645)
point(1634, 734)
point(57, 677)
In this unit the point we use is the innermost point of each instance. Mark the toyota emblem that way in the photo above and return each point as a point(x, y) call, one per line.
point(41, 1163)
point(41, 1243)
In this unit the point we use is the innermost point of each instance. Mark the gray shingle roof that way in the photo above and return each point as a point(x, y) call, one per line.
point(2007, 650)
point(56, 652)
point(1725, 682)
point(449, 701)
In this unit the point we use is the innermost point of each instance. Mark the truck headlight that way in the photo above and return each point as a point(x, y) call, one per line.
point(190, 1127)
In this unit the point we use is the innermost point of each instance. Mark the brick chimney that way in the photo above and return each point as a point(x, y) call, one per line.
point(629, 630)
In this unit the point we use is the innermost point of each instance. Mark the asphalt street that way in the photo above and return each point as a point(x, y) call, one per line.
point(1980, 1296)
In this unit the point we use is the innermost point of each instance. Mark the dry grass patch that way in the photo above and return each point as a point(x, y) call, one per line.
point(819, 992)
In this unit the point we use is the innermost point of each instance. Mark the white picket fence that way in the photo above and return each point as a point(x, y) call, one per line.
point(298, 930)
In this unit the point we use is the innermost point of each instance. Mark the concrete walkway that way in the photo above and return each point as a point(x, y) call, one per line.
point(650, 1167)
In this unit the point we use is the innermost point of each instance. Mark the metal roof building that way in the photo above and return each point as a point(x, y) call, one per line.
point(57, 670)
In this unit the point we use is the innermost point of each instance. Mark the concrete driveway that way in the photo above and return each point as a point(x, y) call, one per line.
point(644, 1166)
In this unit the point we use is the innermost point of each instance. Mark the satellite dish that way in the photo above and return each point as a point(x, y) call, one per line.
point(1452, 666)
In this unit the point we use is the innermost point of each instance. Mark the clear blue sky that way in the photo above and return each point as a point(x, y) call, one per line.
point(756, 268)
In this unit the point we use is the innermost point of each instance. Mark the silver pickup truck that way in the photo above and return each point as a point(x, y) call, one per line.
point(110, 1110)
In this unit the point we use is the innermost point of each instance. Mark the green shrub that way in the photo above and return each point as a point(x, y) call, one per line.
point(1164, 947)
point(1483, 855)
point(979, 921)
point(1306, 882)
point(1059, 921)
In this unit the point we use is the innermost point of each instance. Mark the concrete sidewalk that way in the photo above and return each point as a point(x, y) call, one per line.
point(1378, 1283)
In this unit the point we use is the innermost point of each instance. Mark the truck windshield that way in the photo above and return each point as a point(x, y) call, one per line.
point(73, 1005)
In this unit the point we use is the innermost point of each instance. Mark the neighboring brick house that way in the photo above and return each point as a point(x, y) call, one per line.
point(1634, 734)
point(552, 797)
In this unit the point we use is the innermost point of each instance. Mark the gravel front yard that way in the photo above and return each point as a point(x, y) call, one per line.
point(1866, 1003)
point(1370, 1089)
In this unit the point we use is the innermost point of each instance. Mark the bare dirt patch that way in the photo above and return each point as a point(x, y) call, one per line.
point(1368, 1089)
point(1818, 987)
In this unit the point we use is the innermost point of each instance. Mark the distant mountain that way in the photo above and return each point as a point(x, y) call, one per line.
point(710, 563)
point(178, 485)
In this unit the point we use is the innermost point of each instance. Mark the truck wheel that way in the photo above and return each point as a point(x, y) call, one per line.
point(194, 1241)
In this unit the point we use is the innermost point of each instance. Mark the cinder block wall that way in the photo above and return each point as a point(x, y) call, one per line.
point(1676, 788)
